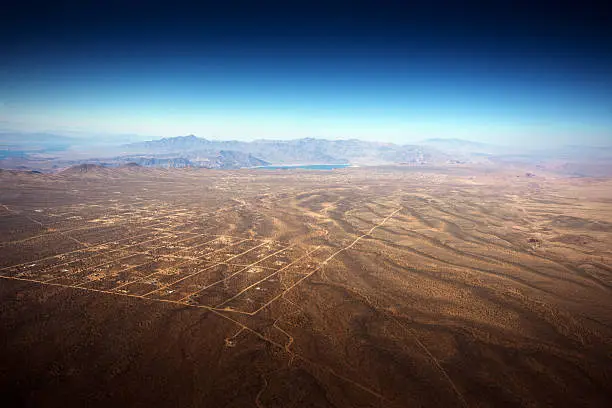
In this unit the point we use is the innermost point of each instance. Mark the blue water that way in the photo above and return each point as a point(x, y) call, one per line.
point(305, 166)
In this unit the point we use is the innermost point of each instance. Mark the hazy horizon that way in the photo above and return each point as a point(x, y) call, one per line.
point(520, 76)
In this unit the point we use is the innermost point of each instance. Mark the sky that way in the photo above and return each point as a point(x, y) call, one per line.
point(508, 73)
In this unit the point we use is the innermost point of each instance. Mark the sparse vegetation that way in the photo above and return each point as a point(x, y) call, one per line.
point(390, 286)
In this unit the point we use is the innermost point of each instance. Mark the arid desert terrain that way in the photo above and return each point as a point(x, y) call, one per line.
point(360, 287)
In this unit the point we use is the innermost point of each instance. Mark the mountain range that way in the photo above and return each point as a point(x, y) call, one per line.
point(47, 152)
point(282, 152)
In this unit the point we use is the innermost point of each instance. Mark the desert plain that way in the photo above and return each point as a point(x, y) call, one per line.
point(393, 286)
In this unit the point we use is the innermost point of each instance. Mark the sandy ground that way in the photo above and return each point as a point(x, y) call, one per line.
point(360, 287)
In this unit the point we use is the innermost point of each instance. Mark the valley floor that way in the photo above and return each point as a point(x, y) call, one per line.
point(360, 287)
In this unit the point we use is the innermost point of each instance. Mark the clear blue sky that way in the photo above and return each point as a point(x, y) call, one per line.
point(391, 76)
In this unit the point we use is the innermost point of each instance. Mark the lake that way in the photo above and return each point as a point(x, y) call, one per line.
point(305, 166)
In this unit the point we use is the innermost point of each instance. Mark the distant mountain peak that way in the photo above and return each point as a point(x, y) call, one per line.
point(187, 137)
point(308, 150)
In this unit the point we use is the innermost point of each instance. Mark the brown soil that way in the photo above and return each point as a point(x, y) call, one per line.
point(357, 287)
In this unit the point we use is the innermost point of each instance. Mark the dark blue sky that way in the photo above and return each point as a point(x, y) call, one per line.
point(505, 72)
